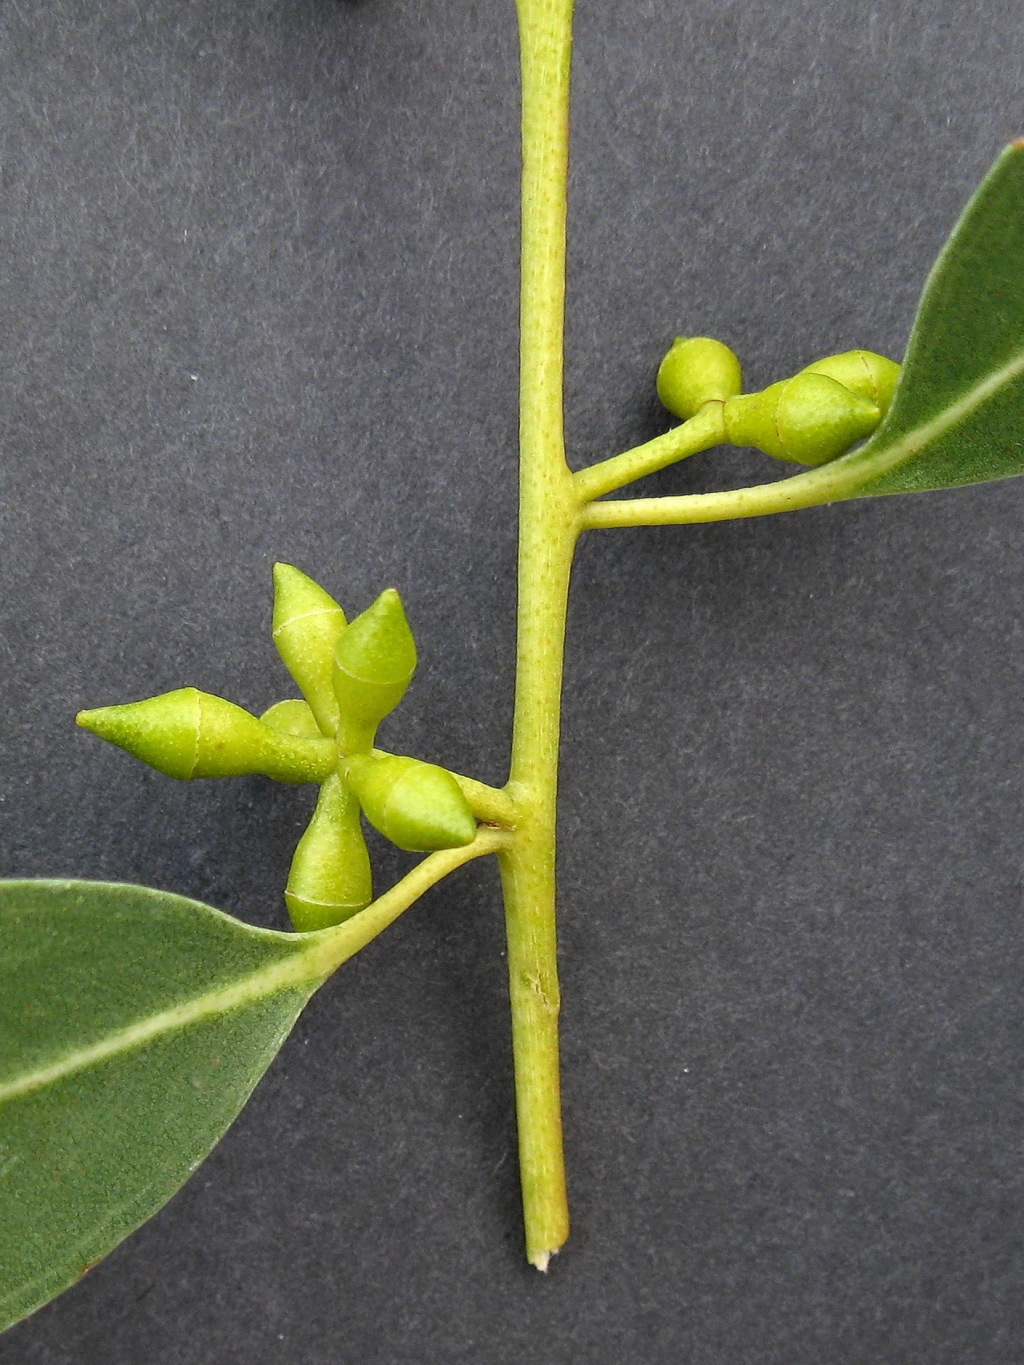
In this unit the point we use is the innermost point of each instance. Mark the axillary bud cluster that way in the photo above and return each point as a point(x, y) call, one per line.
point(351, 676)
point(812, 418)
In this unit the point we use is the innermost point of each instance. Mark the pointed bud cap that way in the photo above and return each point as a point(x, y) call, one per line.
point(695, 371)
point(307, 625)
point(809, 419)
point(418, 806)
point(330, 878)
point(373, 666)
point(865, 373)
point(188, 733)
point(818, 419)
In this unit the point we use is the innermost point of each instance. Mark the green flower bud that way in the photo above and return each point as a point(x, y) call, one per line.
point(330, 878)
point(872, 376)
point(418, 806)
point(695, 371)
point(750, 420)
point(373, 666)
point(307, 625)
point(292, 717)
point(188, 733)
point(809, 419)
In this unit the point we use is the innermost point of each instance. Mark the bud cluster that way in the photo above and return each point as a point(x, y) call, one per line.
point(351, 676)
point(812, 418)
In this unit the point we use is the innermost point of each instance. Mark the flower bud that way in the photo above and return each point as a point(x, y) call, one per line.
point(307, 625)
point(292, 717)
point(418, 806)
point(330, 878)
point(809, 419)
point(373, 665)
point(188, 733)
point(695, 371)
point(872, 376)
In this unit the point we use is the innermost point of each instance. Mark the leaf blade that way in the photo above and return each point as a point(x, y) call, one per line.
point(178, 1010)
point(957, 415)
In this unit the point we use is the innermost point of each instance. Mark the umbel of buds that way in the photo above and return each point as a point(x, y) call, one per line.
point(351, 677)
point(812, 418)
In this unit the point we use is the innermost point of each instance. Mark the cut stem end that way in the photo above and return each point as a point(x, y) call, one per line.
point(542, 1259)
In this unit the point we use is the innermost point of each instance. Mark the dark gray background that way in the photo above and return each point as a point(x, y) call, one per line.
point(258, 268)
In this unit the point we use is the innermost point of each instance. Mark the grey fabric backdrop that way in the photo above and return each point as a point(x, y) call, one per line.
point(258, 301)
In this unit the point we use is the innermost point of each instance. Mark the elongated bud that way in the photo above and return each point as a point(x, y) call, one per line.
point(292, 717)
point(307, 625)
point(809, 419)
point(418, 806)
point(695, 371)
point(872, 376)
point(330, 878)
point(373, 666)
point(188, 733)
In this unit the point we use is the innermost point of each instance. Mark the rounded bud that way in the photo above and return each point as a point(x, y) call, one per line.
point(188, 733)
point(865, 373)
point(330, 878)
point(809, 419)
point(418, 806)
point(695, 371)
point(307, 625)
point(374, 662)
point(292, 717)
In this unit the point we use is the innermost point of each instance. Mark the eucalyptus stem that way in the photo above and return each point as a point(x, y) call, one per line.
point(763, 499)
point(331, 947)
point(548, 527)
point(812, 489)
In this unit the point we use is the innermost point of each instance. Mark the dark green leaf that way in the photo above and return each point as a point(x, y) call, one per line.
point(958, 414)
point(133, 1027)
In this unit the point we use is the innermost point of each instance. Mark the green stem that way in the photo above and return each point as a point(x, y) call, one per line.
point(329, 948)
point(704, 430)
point(827, 484)
point(547, 535)
point(490, 804)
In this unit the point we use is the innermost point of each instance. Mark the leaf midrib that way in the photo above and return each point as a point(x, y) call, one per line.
point(311, 962)
point(305, 967)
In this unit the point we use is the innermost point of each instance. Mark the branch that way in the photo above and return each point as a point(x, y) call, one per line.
point(336, 945)
point(829, 483)
point(705, 429)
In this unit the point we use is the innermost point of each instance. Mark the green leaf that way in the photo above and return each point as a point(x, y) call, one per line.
point(134, 1024)
point(958, 414)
